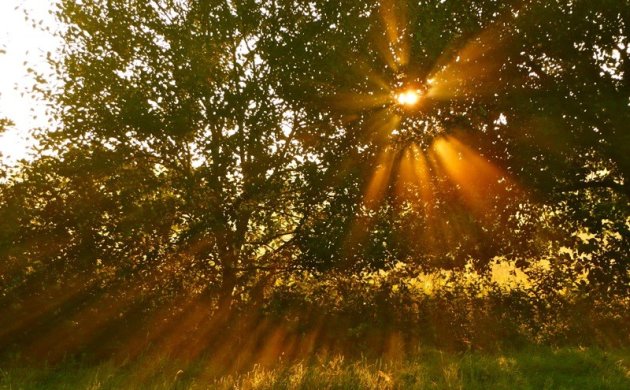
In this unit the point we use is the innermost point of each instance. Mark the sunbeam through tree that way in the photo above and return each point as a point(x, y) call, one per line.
point(244, 184)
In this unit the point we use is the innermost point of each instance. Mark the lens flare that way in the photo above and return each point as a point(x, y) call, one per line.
point(408, 98)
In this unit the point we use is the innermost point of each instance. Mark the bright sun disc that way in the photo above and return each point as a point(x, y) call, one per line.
point(408, 98)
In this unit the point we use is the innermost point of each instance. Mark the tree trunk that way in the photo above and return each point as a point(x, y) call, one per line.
point(227, 289)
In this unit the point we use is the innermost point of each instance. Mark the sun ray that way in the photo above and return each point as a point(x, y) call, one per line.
point(373, 194)
point(474, 69)
point(422, 174)
point(406, 180)
point(415, 185)
point(380, 125)
point(36, 308)
point(414, 182)
point(91, 318)
point(394, 346)
point(394, 48)
point(478, 181)
point(158, 324)
point(379, 181)
point(376, 79)
point(352, 101)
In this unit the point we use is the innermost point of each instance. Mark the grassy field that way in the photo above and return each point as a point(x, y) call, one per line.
point(533, 368)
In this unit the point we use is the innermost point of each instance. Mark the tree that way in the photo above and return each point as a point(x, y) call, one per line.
point(174, 150)
point(530, 96)
point(205, 147)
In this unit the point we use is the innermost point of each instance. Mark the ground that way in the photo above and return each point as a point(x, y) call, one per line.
point(529, 368)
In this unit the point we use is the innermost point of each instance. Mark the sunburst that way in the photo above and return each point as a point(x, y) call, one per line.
point(423, 148)
point(408, 98)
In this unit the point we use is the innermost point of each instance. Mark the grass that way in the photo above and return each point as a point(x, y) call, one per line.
point(531, 368)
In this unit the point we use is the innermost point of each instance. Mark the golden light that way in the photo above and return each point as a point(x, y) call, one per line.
point(477, 179)
point(408, 98)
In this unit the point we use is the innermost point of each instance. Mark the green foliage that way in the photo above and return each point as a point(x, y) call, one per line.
point(450, 309)
point(213, 159)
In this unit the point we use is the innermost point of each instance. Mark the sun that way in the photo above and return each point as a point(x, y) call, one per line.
point(408, 98)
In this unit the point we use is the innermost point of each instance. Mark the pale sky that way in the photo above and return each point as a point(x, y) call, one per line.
point(22, 46)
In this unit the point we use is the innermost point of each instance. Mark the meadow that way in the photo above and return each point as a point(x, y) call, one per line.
point(529, 368)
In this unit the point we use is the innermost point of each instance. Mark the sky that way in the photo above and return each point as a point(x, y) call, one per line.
point(22, 46)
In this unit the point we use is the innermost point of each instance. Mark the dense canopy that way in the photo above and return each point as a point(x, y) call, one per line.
point(224, 154)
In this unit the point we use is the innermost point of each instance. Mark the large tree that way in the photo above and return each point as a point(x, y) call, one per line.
point(202, 147)
point(174, 152)
point(531, 95)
